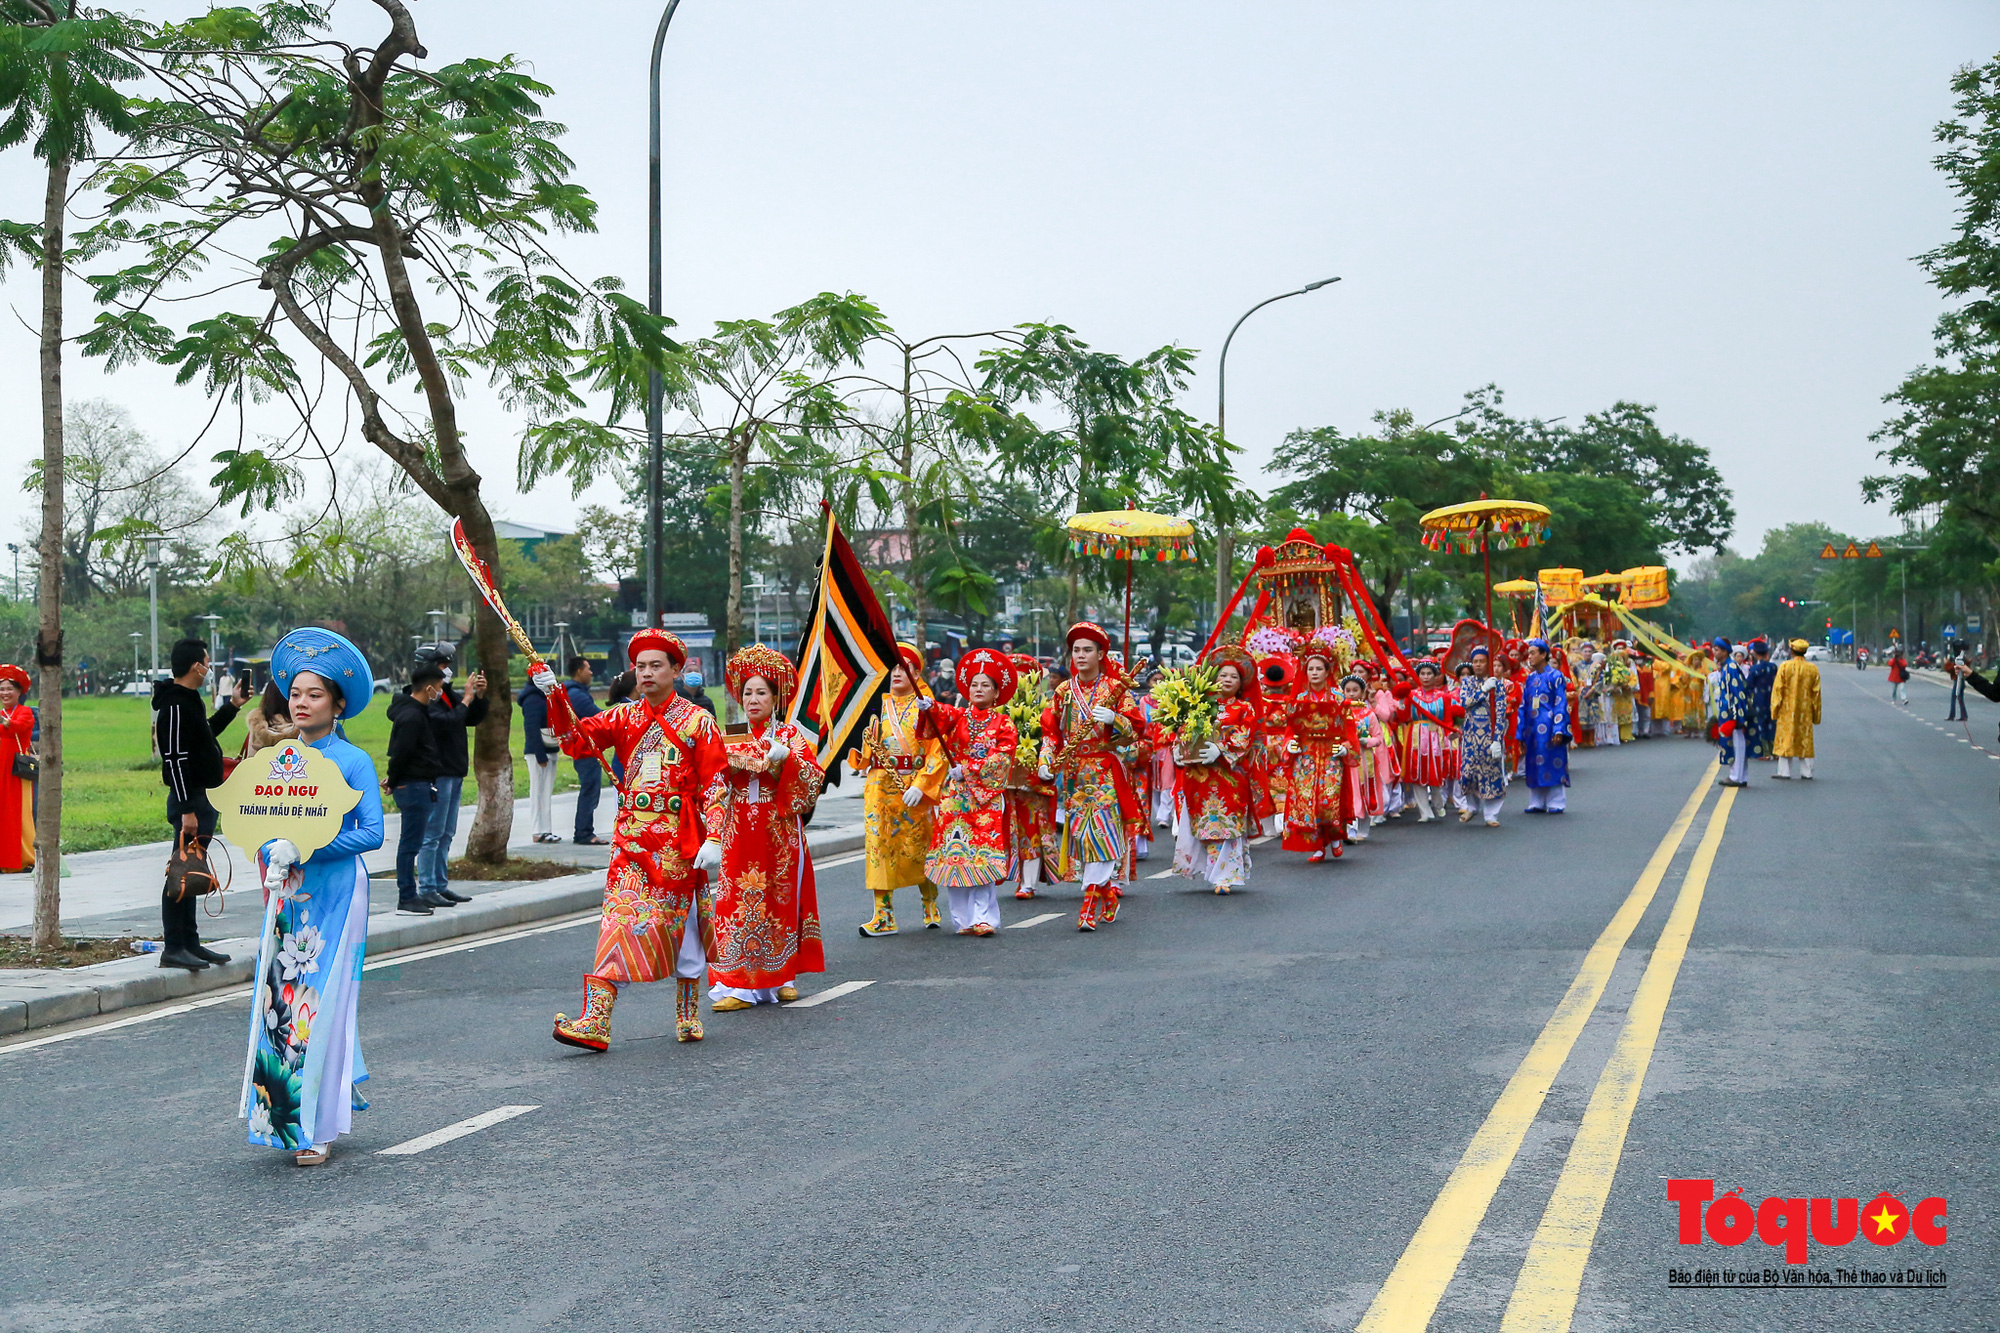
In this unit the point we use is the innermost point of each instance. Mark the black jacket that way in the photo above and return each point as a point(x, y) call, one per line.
point(450, 716)
point(413, 750)
point(190, 757)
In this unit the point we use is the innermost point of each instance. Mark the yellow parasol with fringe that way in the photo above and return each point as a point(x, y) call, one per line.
point(1130, 535)
point(1485, 525)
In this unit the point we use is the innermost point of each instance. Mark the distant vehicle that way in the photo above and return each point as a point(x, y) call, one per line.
point(1175, 655)
point(384, 686)
point(1818, 654)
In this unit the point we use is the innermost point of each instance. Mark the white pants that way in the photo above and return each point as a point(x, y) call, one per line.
point(1490, 808)
point(1785, 766)
point(541, 794)
point(1548, 798)
point(1642, 721)
point(1459, 796)
point(972, 905)
point(1097, 874)
point(1031, 869)
point(1393, 805)
point(1358, 830)
point(1424, 797)
point(1739, 765)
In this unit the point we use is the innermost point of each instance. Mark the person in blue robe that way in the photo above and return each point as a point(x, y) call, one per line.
point(1761, 676)
point(1730, 684)
point(304, 1066)
point(1542, 729)
point(1482, 762)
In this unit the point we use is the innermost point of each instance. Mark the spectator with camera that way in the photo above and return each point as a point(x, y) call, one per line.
point(451, 717)
point(190, 763)
point(411, 782)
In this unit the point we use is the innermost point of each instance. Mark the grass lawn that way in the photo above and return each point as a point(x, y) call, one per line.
point(112, 793)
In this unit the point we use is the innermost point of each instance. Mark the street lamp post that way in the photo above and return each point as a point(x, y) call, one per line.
point(135, 636)
point(153, 593)
point(1225, 537)
point(214, 652)
point(14, 549)
point(656, 388)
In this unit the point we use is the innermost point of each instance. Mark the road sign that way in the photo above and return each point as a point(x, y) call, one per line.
point(1972, 624)
point(1874, 551)
point(1951, 631)
point(1852, 552)
point(1829, 553)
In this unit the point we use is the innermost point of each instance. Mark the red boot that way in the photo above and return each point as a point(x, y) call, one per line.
point(592, 1029)
point(1086, 917)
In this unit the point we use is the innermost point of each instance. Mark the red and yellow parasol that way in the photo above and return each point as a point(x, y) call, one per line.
point(1130, 535)
point(1485, 526)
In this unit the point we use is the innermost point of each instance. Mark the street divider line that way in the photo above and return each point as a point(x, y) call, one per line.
point(1035, 920)
point(839, 861)
point(436, 1137)
point(830, 993)
point(1544, 1298)
point(1164, 874)
point(1410, 1296)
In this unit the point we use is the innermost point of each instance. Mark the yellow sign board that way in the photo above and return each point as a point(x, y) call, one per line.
point(289, 790)
point(1829, 553)
point(1852, 552)
point(1874, 550)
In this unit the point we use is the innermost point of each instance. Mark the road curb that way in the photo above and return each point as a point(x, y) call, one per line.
point(48, 998)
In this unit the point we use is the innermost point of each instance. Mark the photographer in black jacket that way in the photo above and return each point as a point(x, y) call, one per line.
point(190, 763)
point(414, 766)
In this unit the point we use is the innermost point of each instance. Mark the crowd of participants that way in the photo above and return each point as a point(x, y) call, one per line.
point(1035, 778)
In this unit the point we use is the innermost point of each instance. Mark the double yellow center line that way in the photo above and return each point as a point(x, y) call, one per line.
point(1545, 1295)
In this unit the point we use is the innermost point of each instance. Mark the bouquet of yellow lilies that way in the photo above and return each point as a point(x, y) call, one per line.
point(1184, 706)
point(1024, 710)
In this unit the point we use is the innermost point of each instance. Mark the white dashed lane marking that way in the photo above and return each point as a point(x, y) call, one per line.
point(830, 993)
point(1164, 874)
point(1035, 920)
point(436, 1137)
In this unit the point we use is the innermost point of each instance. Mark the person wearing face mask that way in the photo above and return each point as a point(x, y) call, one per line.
point(767, 906)
point(1091, 716)
point(904, 779)
point(306, 1067)
point(658, 920)
point(970, 851)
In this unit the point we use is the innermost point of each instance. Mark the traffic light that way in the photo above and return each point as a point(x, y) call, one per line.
point(1829, 622)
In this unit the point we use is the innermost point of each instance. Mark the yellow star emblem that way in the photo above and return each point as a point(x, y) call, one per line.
point(1885, 1221)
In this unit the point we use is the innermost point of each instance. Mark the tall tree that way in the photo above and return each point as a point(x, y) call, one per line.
point(400, 210)
point(1120, 436)
point(1945, 437)
point(59, 65)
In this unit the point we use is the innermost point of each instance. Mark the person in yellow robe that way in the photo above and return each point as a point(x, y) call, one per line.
point(1795, 708)
point(1694, 699)
point(905, 778)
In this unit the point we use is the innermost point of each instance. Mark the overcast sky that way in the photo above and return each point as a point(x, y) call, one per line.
point(1710, 208)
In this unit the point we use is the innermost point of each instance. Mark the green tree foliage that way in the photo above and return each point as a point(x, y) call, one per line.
point(1944, 440)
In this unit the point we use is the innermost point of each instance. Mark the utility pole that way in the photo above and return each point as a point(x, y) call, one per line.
point(153, 594)
point(655, 387)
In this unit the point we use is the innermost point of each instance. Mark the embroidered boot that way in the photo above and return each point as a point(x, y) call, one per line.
point(1108, 903)
point(931, 918)
point(1086, 917)
point(592, 1030)
point(884, 920)
point(687, 1009)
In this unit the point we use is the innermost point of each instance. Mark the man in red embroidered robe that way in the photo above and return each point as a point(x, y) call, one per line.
point(672, 756)
point(1090, 717)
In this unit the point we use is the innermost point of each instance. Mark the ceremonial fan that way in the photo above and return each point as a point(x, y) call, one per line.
point(1481, 525)
point(489, 590)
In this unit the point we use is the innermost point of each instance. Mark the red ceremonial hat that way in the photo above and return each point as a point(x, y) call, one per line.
point(760, 660)
point(1083, 629)
point(987, 662)
point(1025, 664)
point(670, 644)
point(18, 676)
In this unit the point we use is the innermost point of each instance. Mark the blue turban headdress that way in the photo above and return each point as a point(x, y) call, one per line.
point(1542, 644)
point(330, 657)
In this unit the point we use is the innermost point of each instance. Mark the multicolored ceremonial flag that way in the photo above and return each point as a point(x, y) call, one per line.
point(846, 650)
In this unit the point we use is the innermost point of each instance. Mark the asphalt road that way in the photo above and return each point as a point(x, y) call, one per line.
point(1216, 1114)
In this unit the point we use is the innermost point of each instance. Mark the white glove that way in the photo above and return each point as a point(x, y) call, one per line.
point(279, 858)
point(1209, 753)
point(1497, 750)
point(911, 796)
point(542, 678)
point(957, 773)
point(924, 702)
point(1103, 716)
point(709, 857)
point(1291, 747)
point(775, 752)
point(1044, 774)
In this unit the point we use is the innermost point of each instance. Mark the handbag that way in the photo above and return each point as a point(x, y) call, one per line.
point(189, 871)
point(27, 767)
point(229, 765)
